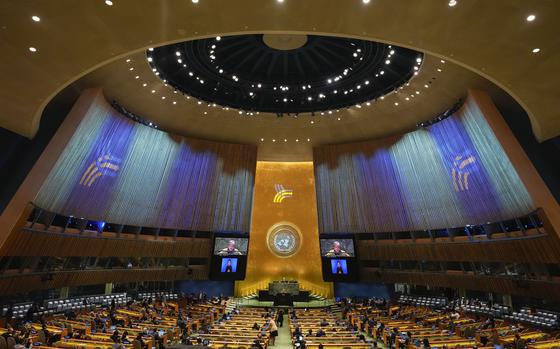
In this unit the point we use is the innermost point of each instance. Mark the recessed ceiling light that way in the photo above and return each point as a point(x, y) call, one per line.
point(218, 38)
point(387, 62)
point(285, 140)
point(536, 50)
point(262, 139)
point(439, 70)
point(365, 1)
point(108, 3)
point(338, 119)
point(153, 91)
point(274, 140)
point(128, 60)
point(137, 77)
point(452, 3)
point(396, 103)
point(131, 68)
point(426, 86)
point(36, 18)
point(308, 139)
point(32, 49)
point(144, 84)
point(312, 122)
point(442, 61)
point(280, 0)
point(531, 18)
point(194, 1)
point(174, 102)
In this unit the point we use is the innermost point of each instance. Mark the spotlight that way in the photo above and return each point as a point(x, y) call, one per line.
point(536, 50)
point(108, 3)
point(32, 49)
point(36, 18)
point(531, 18)
point(452, 3)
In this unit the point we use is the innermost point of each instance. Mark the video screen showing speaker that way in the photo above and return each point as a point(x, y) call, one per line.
point(229, 259)
point(230, 246)
point(229, 265)
point(338, 258)
point(337, 248)
point(339, 267)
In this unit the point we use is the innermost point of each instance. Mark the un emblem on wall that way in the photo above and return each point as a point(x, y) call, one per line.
point(283, 239)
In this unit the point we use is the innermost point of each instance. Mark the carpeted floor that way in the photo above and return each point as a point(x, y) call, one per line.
point(284, 340)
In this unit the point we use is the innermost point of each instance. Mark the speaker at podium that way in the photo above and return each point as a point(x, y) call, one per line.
point(284, 292)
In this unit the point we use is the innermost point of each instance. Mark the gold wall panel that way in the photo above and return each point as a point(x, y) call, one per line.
point(299, 210)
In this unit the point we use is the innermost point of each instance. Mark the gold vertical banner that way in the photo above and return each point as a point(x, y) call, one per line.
point(284, 237)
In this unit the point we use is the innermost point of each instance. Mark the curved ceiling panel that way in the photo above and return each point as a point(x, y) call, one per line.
point(73, 38)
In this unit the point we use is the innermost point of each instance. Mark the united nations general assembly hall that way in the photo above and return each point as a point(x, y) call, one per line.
point(279, 174)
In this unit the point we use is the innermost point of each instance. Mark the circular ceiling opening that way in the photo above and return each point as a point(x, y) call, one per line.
point(284, 42)
point(284, 73)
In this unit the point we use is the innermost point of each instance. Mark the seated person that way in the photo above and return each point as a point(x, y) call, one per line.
point(324, 323)
point(321, 333)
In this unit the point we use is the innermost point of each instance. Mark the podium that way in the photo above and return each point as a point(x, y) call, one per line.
point(290, 287)
point(284, 293)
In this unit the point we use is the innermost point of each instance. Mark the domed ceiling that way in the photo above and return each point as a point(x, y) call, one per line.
point(284, 74)
point(513, 43)
point(404, 88)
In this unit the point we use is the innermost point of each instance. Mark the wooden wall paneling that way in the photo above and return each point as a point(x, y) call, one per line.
point(529, 288)
point(22, 283)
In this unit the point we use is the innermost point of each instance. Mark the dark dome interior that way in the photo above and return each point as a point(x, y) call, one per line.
point(244, 72)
